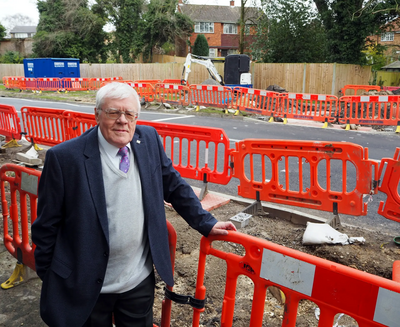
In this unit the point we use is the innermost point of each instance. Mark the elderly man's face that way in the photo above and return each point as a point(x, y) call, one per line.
point(118, 132)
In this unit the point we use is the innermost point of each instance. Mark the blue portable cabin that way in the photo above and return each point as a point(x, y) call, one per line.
point(52, 67)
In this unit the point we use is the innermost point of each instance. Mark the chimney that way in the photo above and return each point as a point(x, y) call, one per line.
point(232, 3)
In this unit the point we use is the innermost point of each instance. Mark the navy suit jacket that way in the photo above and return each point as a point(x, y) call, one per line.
point(71, 229)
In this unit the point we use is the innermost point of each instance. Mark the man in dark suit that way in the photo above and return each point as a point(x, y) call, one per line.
point(101, 222)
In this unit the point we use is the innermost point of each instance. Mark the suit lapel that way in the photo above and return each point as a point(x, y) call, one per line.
point(95, 180)
point(141, 156)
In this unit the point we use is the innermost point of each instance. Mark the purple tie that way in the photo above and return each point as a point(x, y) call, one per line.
point(124, 164)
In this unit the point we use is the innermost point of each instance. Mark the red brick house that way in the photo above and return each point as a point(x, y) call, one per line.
point(220, 26)
point(390, 37)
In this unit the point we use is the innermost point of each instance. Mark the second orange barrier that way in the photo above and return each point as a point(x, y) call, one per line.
point(370, 300)
point(262, 167)
point(390, 209)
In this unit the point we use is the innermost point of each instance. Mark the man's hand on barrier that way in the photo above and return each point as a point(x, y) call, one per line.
point(222, 227)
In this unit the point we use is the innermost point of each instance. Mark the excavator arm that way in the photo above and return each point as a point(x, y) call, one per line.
point(190, 58)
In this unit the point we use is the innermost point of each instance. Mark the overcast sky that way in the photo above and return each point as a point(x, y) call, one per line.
point(28, 7)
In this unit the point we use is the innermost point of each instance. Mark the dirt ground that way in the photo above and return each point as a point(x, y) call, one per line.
point(19, 306)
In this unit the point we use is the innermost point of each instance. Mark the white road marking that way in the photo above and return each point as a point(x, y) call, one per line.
point(173, 118)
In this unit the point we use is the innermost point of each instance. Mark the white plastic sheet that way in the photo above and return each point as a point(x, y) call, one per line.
point(316, 233)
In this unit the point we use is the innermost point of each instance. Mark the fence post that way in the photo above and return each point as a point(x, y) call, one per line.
point(334, 79)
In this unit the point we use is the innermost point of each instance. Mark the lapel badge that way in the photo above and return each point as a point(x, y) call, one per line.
point(138, 141)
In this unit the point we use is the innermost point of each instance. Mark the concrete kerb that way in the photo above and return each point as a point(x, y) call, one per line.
point(294, 216)
point(311, 123)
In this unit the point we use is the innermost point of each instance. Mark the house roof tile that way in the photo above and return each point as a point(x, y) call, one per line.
point(24, 29)
point(217, 14)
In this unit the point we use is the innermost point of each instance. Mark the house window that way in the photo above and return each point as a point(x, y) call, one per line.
point(388, 36)
point(21, 35)
point(204, 27)
point(233, 51)
point(212, 52)
point(247, 29)
point(230, 29)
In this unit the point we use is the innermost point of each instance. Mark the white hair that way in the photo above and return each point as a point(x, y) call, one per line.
point(116, 90)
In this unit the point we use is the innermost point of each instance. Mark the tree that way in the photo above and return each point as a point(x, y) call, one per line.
point(348, 24)
point(200, 47)
point(70, 29)
point(291, 31)
point(125, 15)
point(162, 24)
point(2, 32)
point(247, 14)
point(376, 59)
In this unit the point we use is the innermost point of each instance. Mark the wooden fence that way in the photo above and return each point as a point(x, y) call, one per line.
point(298, 78)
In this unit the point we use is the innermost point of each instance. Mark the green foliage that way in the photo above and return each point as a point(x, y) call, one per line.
point(375, 56)
point(125, 15)
point(2, 32)
point(12, 57)
point(348, 24)
point(161, 23)
point(290, 32)
point(200, 47)
point(70, 29)
point(167, 47)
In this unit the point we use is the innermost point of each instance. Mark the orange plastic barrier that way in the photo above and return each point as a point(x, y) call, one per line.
point(12, 82)
point(95, 83)
point(262, 166)
point(10, 125)
point(334, 288)
point(261, 102)
point(5, 81)
point(190, 154)
point(150, 81)
point(356, 88)
point(120, 81)
point(75, 84)
point(390, 185)
point(167, 303)
point(78, 123)
point(28, 83)
point(144, 90)
point(172, 93)
point(48, 84)
point(44, 125)
point(317, 107)
point(377, 110)
point(19, 212)
point(172, 81)
point(211, 95)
